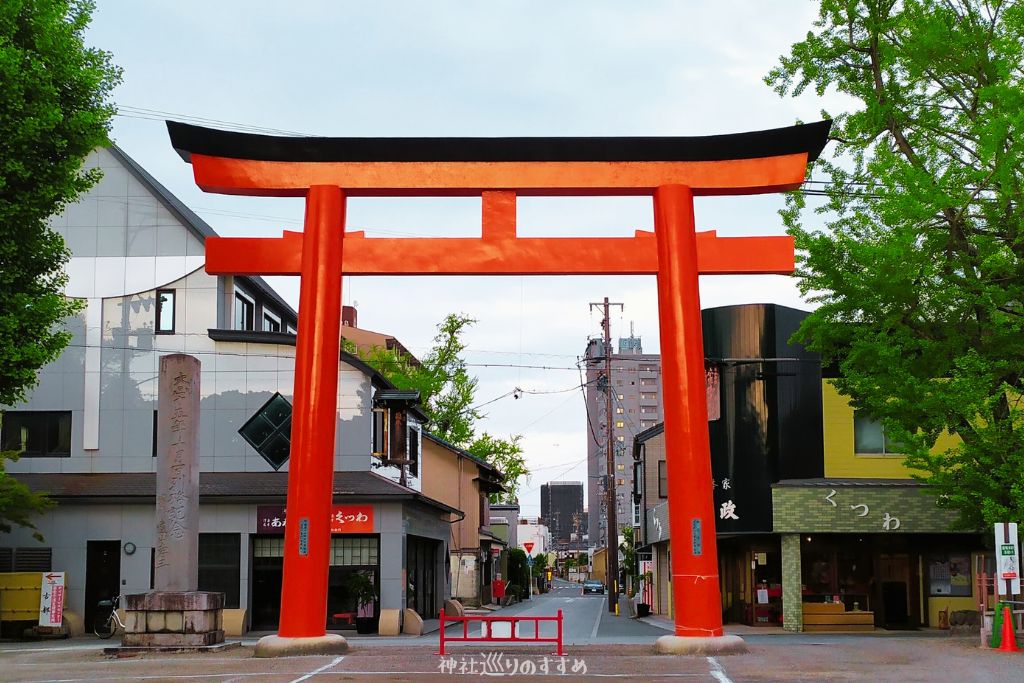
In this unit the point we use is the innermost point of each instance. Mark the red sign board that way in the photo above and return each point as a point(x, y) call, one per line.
point(345, 519)
point(528, 546)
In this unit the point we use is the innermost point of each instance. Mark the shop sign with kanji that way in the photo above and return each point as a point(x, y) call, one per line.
point(51, 599)
point(345, 519)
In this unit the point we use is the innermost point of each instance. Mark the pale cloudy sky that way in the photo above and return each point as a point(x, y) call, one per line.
point(495, 68)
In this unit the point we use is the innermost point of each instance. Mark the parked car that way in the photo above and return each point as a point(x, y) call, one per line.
point(593, 586)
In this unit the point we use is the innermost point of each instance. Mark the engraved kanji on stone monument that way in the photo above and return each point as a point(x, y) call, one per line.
point(176, 563)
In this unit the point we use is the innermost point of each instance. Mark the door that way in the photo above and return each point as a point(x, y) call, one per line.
point(267, 570)
point(894, 580)
point(102, 575)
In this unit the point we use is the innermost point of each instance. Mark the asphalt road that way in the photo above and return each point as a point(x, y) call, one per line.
point(585, 618)
point(598, 646)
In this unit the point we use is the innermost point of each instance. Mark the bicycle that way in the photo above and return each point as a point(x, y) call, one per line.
point(107, 621)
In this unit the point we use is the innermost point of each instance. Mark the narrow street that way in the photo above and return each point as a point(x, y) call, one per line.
point(586, 619)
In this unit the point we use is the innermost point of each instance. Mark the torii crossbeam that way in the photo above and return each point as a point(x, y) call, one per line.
point(327, 170)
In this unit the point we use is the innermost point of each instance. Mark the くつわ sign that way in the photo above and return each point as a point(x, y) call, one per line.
point(345, 519)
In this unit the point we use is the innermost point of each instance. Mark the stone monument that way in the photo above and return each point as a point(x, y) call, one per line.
point(175, 614)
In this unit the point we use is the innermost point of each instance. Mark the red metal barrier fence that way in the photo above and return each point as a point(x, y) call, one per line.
point(487, 631)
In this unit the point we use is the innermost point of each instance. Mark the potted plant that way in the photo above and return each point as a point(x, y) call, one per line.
point(642, 608)
point(360, 587)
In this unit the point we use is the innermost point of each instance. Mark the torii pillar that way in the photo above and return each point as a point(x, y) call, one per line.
point(671, 170)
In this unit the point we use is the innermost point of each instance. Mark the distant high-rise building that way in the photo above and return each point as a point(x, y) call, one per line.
point(636, 405)
point(561, 506)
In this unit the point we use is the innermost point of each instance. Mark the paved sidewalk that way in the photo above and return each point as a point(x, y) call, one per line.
point(742, 630)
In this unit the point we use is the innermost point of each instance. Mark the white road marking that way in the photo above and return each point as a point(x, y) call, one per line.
point(597, 624)
point(314, 672)
point(717, 672)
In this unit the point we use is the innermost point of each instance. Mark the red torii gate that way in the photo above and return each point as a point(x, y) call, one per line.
point(327, 170)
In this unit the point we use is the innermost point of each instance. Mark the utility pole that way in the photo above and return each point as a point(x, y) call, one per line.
point(612, 526)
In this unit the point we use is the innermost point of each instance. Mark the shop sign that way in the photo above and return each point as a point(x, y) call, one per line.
point(1007, 559)
point(51, 599)
point(345, 519)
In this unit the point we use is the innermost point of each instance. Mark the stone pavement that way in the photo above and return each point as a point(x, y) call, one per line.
point(845, 658)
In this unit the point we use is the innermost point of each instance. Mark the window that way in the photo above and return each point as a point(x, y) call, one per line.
point(290, 329)
point(648, 368)
point(621, 438)
point(619, 411)
point(662, 479)
point(620, 397)
point(245, 311)
point(26, 559)
point(220, 565)
point(950, 575)
point(648, 382)
point(648, 410)
point(620, 424)
point(37, 433)
point(269, 431)
point(620, 467)
point(271, 323)
point(636, 514)
point(622, 482)
point(648, 423)
point(380, 433)
point(648, 396)
point(869, 437)
point(349, 551)
point(165, 311)
point(156, 419)
point(414, 453)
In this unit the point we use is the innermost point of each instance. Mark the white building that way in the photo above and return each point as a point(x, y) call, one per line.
point(87, 431)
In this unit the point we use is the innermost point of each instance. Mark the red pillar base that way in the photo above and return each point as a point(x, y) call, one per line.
point(696, 645)
point(277, 646)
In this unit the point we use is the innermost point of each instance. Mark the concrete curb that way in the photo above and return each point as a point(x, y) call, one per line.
point(716, 645)
point(276, 646)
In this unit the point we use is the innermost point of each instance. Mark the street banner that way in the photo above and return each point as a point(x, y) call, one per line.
point(1007, 559)
point(51, 599)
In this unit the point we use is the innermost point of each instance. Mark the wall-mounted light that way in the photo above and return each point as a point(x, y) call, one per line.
point(129, 548)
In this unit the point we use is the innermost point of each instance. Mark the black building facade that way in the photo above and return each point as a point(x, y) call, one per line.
point(561, 506)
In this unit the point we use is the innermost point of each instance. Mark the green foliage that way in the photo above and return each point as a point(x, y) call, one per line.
point(359, 586)
point(628, 551)
point(17, 503)
point(447, 391)
point(53, 112)
point(540, 564)
point(919, 273)
point(507, 456)
point(518, 571)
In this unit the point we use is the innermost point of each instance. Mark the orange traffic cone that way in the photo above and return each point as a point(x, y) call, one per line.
point(1009, 638)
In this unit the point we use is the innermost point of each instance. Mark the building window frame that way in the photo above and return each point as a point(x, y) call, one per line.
point(662, 479)
point(220, 565)
point(50, 430)
point(244, 312)
point(160, 326)
point(870, 439)
point(271, 322)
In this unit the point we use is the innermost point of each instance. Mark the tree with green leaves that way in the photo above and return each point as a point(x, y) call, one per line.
point(919, 270)
point(53, 112)
point(447, 392)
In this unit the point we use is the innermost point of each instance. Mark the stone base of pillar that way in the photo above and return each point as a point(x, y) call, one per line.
point(714, 645)
point(276, 646)
point(166, 619)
